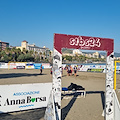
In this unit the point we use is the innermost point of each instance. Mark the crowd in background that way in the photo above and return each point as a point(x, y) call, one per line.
point(70, 70)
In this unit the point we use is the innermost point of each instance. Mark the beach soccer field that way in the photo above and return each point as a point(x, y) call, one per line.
point(74, 107)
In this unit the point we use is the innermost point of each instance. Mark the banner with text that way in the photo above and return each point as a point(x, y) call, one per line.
point(24, 96)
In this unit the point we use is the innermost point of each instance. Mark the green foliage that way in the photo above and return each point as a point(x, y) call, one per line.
point(81, 58)
point(69, 58)
point(65, 50)
point(21, 58)
point(16, 55)
point(25, 58)
point(29, 57)
point(5, 58)
point(37, 59)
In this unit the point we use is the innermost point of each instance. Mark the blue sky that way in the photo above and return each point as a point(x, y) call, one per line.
point(36, 21)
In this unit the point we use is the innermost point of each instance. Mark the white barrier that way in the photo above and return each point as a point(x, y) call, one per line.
point(22, 65)
point(11, 65)
point(24, 96)
point(116, 107)
point(3, 65)
point(84, 68)
point(88, 68)
point(92, 68)
point(50, 113)
point(46, 65)
point(29, 65)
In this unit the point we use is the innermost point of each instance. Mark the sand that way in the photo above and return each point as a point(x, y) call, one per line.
point(74, 107)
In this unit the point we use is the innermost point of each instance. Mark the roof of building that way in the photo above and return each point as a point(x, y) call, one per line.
point(36, 47)
point(24, 41)
point(4, 42)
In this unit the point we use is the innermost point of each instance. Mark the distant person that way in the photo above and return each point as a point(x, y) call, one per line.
point(62, 71)
point(68, 70)
point(71, 69)
point(75, 70)
point(51, 70)
point(41, 69)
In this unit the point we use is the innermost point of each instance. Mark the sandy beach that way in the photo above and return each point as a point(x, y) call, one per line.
point(74, 107)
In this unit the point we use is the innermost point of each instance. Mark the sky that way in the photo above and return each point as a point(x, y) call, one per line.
point(36, 21)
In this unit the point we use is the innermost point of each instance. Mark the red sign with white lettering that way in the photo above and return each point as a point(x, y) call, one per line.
point(83, 42)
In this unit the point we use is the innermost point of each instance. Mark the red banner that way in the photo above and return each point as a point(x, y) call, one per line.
point(83, 42)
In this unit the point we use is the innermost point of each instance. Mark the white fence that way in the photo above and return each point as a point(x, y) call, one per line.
point(116, 107)
point(23, 65)
point(83, 68)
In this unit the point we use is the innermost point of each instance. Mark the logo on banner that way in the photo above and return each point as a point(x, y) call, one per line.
point(85, 43)
point(95, 70)
point(26, 93)
point(20, 67)
point(27, 100)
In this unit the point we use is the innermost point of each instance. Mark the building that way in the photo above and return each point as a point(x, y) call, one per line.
point(24, 45)
point(102, 56)
point(96, 55)
point(116, 58)
point(77, 52)
point(89, 55)
point(67, 54)
point(4, 45)
point(32, 47)
point(48, 53)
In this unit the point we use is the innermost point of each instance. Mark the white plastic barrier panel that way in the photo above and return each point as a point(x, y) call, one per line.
point(20, 65)
point(63, 66)
point(12, 65)
point(24, 96)
point(29, 65)
point(4, 65)
point(91, 68)
point(83, 67)
point(46, 65)
point(116, 107)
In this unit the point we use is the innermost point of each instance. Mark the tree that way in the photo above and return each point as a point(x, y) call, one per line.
point(69, 58)
point(28, 57)
point(21, 58)
point(25, 51)
point(37, 59)
point(31, 52)
point(44, 55)
point(40, 55)
point(5, 58)
point(7, 50)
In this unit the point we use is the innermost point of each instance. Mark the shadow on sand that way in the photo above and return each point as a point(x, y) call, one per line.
point(12, 75)
point(67, 108)
point(35, 114)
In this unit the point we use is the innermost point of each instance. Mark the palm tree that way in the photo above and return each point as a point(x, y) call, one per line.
point(31, 52)
point(40, 55)
point(7, 51)
point(36, 54)
point(44, 55)
point(2, 53)
point(12, 52)
point(25, 51)
point(50, 59)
